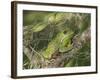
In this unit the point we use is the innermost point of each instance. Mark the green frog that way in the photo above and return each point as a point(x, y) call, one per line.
point(62, 42)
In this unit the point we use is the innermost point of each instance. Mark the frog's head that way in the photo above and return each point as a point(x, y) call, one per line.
point(66, 40)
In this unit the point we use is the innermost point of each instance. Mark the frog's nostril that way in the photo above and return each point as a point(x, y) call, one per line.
point(65, 32)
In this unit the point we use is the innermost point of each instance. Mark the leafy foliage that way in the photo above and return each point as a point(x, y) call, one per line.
point(50, 37)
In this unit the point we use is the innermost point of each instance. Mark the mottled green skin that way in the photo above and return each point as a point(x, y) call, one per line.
point(62, 43)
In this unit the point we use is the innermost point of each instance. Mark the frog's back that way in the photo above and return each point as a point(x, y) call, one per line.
point(53, 46)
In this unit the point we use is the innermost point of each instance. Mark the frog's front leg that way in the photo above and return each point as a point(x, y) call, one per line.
point(66, 48)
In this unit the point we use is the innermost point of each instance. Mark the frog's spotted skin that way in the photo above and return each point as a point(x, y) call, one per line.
point(62, 43)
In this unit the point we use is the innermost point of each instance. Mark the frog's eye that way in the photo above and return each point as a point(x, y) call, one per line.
point(65, 32)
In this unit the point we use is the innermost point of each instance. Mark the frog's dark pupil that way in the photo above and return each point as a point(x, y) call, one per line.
point(65, 32)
